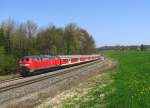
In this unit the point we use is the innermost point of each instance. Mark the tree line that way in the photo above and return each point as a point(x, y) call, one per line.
point(141, 47)
point(27, 38)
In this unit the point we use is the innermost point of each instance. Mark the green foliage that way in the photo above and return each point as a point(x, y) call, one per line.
point(20, 39)
point(8, 64)
point(2, 38)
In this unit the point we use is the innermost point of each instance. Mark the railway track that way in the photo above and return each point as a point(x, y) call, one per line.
point(7, 85)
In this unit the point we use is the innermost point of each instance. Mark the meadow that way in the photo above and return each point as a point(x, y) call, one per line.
point(131, 81)
point(126, 86)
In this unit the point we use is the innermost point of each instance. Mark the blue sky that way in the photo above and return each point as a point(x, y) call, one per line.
point(111, 22)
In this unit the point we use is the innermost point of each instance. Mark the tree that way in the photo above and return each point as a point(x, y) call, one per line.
point(72, 39)
point(2, 38)
point(142, 47)
point(31, 29)
point(8, 27)
point(87, 42)
point(26, 39)
point(55, 35)
point(20, 42)
point(43, 41)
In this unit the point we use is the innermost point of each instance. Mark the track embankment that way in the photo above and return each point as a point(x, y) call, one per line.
point(31, 91)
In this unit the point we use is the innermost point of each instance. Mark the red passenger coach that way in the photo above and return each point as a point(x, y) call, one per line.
point(69, 60)
point(33, 64)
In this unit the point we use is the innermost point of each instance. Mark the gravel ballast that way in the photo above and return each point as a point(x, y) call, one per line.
point(33, 94)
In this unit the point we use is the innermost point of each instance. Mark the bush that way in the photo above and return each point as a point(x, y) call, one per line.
point(8, 64)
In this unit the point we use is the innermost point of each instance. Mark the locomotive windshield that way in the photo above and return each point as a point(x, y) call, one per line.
point(25, 59)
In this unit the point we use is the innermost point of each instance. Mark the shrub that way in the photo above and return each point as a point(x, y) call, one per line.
point(8, 64)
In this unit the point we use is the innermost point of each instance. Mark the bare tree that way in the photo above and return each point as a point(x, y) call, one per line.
point(31, 29)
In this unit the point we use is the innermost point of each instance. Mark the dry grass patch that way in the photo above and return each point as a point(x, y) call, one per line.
point(80, 94)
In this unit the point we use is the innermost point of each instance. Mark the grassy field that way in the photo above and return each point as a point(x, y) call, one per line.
point(127, 86)
point(131, 86)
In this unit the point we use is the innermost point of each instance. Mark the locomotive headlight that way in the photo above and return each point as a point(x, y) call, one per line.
point(27, 64)
point(24, 64)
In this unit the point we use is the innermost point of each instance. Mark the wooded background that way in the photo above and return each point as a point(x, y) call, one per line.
point(27, 38)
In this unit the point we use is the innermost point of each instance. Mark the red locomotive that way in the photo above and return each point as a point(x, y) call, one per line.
point(33, 64)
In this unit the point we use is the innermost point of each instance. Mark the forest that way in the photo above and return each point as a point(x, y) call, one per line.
point(27, 38)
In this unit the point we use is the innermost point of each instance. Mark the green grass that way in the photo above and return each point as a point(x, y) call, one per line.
point(127, 86)
point(131, 86)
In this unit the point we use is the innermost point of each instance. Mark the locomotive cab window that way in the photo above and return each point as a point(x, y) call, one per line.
point(25, 59)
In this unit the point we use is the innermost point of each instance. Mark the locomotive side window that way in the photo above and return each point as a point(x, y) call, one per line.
point(52, 57)
point(35, 59)
point(56, 58)
point(45, 58)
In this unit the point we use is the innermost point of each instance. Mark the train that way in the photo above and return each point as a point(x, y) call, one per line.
point(30, 65)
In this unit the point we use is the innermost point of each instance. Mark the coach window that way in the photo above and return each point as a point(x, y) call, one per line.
point(66, 60)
